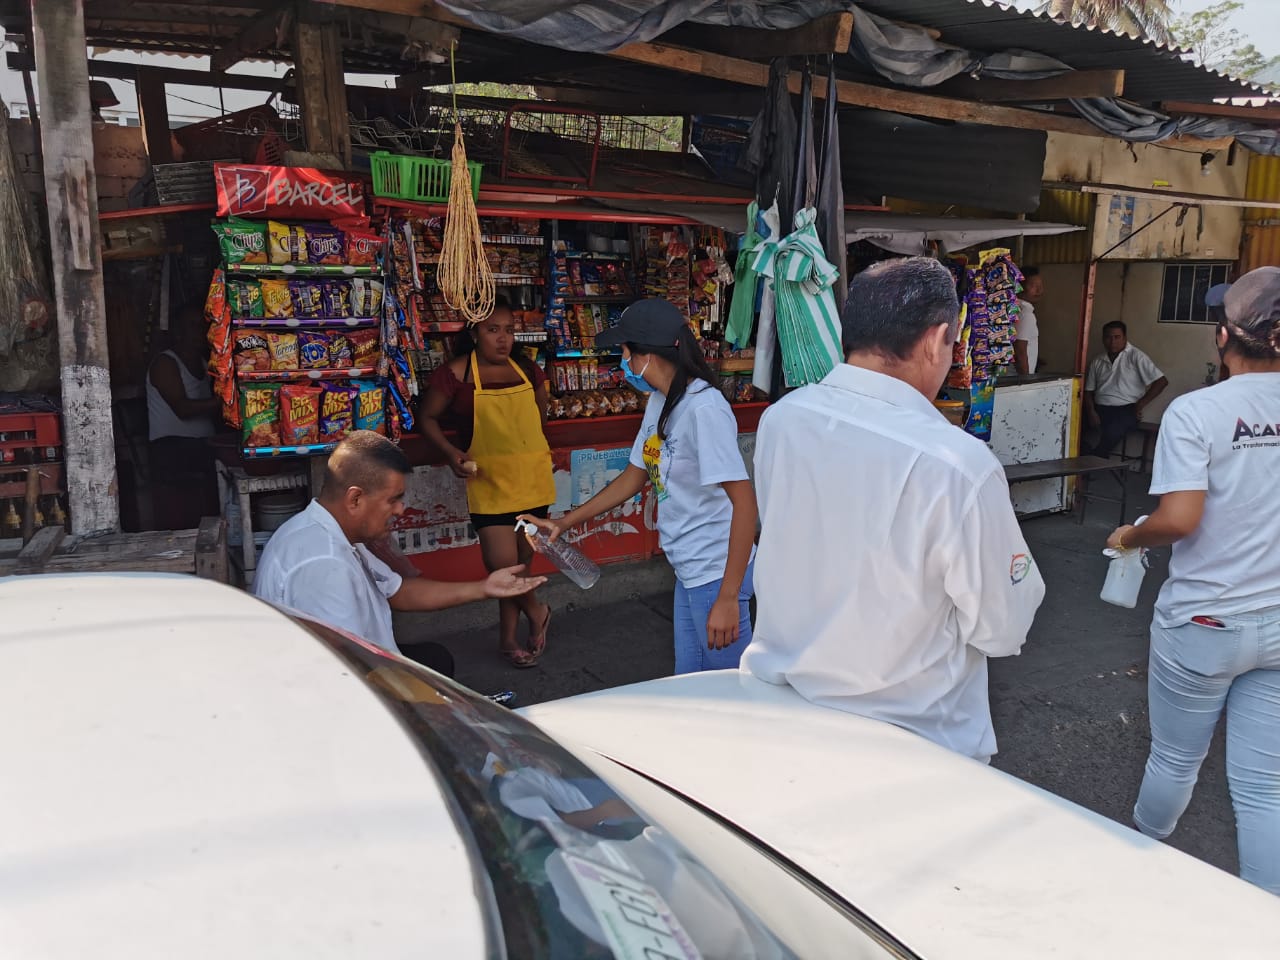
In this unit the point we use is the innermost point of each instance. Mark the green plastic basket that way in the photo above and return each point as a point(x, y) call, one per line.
point(424, 179)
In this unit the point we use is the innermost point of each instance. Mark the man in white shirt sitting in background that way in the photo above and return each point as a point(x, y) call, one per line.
point(1119, 385)
point(318, 564)
point(1026, 341)
point(890, 562)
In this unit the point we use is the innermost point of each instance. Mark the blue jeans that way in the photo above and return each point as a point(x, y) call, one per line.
point(692, 607)
point(1195, 671)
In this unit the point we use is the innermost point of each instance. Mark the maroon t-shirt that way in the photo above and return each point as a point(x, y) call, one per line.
point(461, 412)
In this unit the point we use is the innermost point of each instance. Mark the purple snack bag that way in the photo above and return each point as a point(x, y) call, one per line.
point(325, 244)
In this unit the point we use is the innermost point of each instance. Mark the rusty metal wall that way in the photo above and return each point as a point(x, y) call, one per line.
point(1261, 244)
point(1062, 206)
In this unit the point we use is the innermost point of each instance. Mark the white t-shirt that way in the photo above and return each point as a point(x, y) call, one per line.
point(1029, 330)
point(1225, 440)
point(891, 564)
point(686, 470)
point(162, 421)
point(1120, 382)
point(310, 566)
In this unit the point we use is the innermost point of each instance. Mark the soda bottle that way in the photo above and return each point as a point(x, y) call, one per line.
point(572, 562)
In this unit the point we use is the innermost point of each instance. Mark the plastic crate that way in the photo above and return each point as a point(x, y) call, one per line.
point(424, 179)
point(30, 433)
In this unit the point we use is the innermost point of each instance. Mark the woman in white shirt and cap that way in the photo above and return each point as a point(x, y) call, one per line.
point(687, 449)
point(1215, 637)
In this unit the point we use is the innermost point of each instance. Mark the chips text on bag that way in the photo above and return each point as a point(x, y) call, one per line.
point(242, 241)
point(288, 242)
point(260, 414)
point(251, 353)
point(283, 348)
point(370, 412)
point(325, 244)
point(363, 248)
point(300, 414)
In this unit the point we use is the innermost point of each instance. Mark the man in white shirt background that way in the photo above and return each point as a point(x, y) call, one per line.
point(318, 563)
point(1121, 382)
point(890, 561)
point(1026, 342)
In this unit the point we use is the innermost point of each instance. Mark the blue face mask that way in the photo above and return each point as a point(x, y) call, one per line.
point(637, 380)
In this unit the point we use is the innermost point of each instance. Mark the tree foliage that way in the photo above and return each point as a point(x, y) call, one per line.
point(1208, 34)
point(1148, 19)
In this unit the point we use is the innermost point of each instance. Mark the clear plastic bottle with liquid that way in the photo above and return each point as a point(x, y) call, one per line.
point(1124, 575)
point(571, 561)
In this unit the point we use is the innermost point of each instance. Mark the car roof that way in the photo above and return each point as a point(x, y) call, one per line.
point(954, 858)
point(188, 772)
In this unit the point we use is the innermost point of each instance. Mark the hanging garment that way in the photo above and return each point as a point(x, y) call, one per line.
point(766, 340)
point(808, 325)
point(771, 144)
point(806, 170)
point(742, 311)
point(508, 445)
point(831, 193)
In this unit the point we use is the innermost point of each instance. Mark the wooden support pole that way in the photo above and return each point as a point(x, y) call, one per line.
point(71, 198)
point(153, 114)
point(322, 91)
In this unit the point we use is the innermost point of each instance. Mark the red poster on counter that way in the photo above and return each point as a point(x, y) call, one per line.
point(286, 193)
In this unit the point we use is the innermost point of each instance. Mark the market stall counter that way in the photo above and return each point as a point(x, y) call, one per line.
point(435, 530)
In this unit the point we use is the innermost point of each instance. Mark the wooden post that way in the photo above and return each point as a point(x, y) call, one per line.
point(322, 90)
point(153, 113)
point(71, 197)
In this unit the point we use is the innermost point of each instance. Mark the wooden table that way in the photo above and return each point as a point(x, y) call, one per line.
point(1075, 467)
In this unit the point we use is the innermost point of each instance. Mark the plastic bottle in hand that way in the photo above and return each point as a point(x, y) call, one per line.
point(573, 563)
point(1124, 575)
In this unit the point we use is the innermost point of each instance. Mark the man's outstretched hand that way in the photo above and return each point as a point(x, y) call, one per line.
point(510, 582)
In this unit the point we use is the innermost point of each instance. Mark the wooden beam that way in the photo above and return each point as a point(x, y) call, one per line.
point(1077, 83)
point(111, 70)
point(211, 549)
point(322, 91)
point(153, 114)
point(265, 31)
point(851, 93)
point(71, 200)
point(829, 34)
point(1266, 114)
point(33, 556)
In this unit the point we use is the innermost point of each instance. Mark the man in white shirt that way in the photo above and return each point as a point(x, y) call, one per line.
point(890, 562)
point(1119, 385)
point(318, 564)
point(1026, 342)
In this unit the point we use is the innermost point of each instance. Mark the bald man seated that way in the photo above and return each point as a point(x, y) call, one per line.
point(318, 563)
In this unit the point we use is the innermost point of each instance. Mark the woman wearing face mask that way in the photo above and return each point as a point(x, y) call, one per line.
point(1215, 638)
point(496, 400)
point(687, 448)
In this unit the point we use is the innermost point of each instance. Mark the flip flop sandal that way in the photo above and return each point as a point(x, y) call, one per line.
point(520, 659)
point(535, 648)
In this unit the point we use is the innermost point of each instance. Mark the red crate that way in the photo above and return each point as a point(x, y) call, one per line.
point(29, 436)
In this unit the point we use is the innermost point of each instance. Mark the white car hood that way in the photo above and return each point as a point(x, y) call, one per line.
point(954, 858)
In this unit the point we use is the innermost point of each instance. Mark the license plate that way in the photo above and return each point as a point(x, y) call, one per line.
point(635, 919)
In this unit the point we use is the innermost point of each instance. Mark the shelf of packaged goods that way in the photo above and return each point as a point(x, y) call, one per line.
point(513, 240)
point(443, 326)
point(301, 376)
point(531, 337)
point(570, 298)
point(515, 279)
point(307, 450)
point(300, 270)
point(293, 322)
point(588, 352)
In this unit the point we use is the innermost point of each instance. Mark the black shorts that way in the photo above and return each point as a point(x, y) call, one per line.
point(482, 520)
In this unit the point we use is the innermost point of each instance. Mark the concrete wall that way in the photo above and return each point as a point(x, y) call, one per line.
point(1131, 292)
point(119, 158)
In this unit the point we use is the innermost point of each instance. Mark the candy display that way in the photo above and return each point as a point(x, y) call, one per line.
point(300, 414)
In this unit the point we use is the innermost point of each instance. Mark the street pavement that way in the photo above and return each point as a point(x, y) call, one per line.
point(1070, 712)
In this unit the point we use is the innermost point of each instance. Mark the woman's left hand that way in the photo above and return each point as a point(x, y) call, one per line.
point(1118, 535)
point(722, 623)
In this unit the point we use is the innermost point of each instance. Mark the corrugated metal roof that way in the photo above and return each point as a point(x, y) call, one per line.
point(1153, 71)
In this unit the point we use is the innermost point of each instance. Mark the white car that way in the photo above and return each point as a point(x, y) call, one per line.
point(190, 773)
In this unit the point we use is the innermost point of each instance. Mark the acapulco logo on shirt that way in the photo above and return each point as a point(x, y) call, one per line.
point(1248, 436)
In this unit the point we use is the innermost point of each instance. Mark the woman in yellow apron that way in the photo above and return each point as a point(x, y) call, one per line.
point(497, 403)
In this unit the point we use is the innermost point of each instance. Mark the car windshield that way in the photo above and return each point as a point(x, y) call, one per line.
point(567, 867)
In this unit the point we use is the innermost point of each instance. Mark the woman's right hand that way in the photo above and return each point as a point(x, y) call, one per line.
point(550, 527)
point(463, 467)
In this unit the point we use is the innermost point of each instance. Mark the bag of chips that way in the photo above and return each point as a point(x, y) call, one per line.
point(313, 350)
point(370, 412)
point(307, 297)
point(260, 414)
point(300, 414)
point(337, 409)
point(365, 348)
point(336, 295)
point(363, 248)
point(366, 297)
point(250, 352)
point(288, 243)
point(341, 356)
point(277, 301)
point(325, 244)
point(242, 241)
point(246, 299)
point(283, 348)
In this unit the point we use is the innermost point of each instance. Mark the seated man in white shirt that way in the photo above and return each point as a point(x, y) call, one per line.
point(1026, 341)
point(1119, 385)
point(890, 562)
point(318, 564)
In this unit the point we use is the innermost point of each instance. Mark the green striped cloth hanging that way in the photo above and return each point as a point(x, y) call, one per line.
point(808, 323)
point(742, 309)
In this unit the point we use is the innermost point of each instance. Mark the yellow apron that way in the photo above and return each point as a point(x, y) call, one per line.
point(508, 445)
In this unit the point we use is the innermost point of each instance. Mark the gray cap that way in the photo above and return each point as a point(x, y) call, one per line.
point(649, 323)
point(1215, 295)
point(1252, 304)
